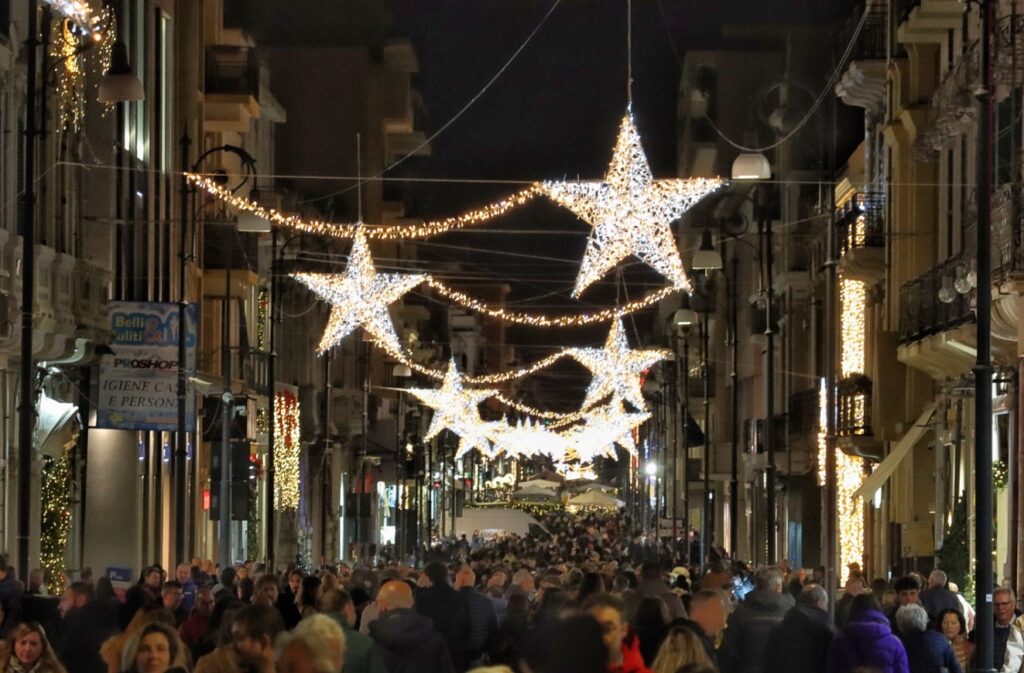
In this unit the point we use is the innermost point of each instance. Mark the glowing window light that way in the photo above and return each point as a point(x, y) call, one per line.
point(287, 448)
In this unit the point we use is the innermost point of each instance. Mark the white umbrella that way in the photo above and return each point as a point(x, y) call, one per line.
point(596, 499)
point(539, 483)
point(534, 492)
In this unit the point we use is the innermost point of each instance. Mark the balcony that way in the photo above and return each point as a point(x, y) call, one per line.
point(696, 382)
point(861, 237)
point(231, 88)
point(256, 372)
point(937, 336)
point(864, 82)
point(953, 109)
point(853, 399)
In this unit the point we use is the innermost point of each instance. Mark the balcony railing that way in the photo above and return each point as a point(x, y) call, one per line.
point(923, 312)
point(861, 223)
point(256, 368)
point(872, 41)
point(853, 396)
point(232, 70)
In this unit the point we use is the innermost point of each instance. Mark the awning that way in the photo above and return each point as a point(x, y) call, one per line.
point(921, 427)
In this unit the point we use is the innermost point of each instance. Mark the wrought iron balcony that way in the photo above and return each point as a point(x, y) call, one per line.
point(257, 372)
point(853, 397)
point(861, 223)
point(232, 70)
point(923, 313)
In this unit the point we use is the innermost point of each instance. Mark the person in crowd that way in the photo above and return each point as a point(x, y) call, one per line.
point(10, 599)
point(953, 626)
point(316, 645)
point(652, 583)
point(309, 594)
point(266, 590)
point(183, 574)
point(854, 587)
point(590, 583)
point(1008, 652)
point(760, 611)
point(448, 610)
point(522, 582)
point(548, 652)
point(286, 599)
point(113, 647)
point(172, 598)
point(907, 592)
point(681, 647)
point(87, 623)
point(362, 654)
point(800, 643)
point(253, 631)
point(719, 577)
point(650, 624)
point(105, 598)
point(226, 586)
point(481, 615)
point(937, 598)
point(27, 650)
point(196, 626)
point(623, 646)
point(866, 640)
point(409, 641)
point(927, 651)
point(36, 583)
point(216, 652)
point(156, 648)
point(511, 633)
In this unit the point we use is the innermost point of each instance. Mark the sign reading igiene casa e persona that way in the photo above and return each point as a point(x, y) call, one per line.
point(138, 388)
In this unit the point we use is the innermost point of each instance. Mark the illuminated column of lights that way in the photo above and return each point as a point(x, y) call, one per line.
point(853, 305)
point(287, 449)
point(55, 524)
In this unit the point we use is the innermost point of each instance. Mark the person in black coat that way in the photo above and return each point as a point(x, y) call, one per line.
point(447, 609)
point(927, 651)
point(408, 641)
point(10, 599)
point(800, 643)
point(937, 598)
point(87, 623)
point(749, 625)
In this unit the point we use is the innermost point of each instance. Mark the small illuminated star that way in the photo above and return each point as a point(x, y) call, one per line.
point(602, 430)
point(360, 297)
point(455, 409)
point(615, 368)
point(631, 213)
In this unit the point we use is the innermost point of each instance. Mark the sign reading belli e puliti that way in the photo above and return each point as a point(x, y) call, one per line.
point(138, 388)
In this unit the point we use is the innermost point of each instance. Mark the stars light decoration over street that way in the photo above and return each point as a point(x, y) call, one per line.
point(631, 213)
point(360, 297)
point(602, 429)
point(616, 369)
point(456, 408)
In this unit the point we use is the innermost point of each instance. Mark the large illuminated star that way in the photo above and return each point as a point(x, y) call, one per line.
point(360, 297)
point(455, 409)
point(601, 430)
point(631, 213)
point(616, 369)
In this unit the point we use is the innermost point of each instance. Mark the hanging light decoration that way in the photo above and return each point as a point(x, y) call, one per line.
point(359, 297)
point(456, 409)
point(631, 213)
point(616, 369)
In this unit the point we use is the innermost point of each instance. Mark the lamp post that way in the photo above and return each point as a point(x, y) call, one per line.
point(983, 364)
point(227, 398)
point(118, 85)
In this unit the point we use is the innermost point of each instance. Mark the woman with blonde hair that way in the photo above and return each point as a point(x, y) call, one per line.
point(28, 651)
point(155, 648)
point(680, 647)
point(113, 647)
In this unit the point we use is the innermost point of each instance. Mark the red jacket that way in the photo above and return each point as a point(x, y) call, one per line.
point(193, 629)
point(632, 660)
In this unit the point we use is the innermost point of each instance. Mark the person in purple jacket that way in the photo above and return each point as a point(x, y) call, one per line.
point(867, 640)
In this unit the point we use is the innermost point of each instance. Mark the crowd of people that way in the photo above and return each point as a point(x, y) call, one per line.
point(587, 598)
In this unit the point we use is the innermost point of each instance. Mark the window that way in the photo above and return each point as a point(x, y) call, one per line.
point(1008, 117)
